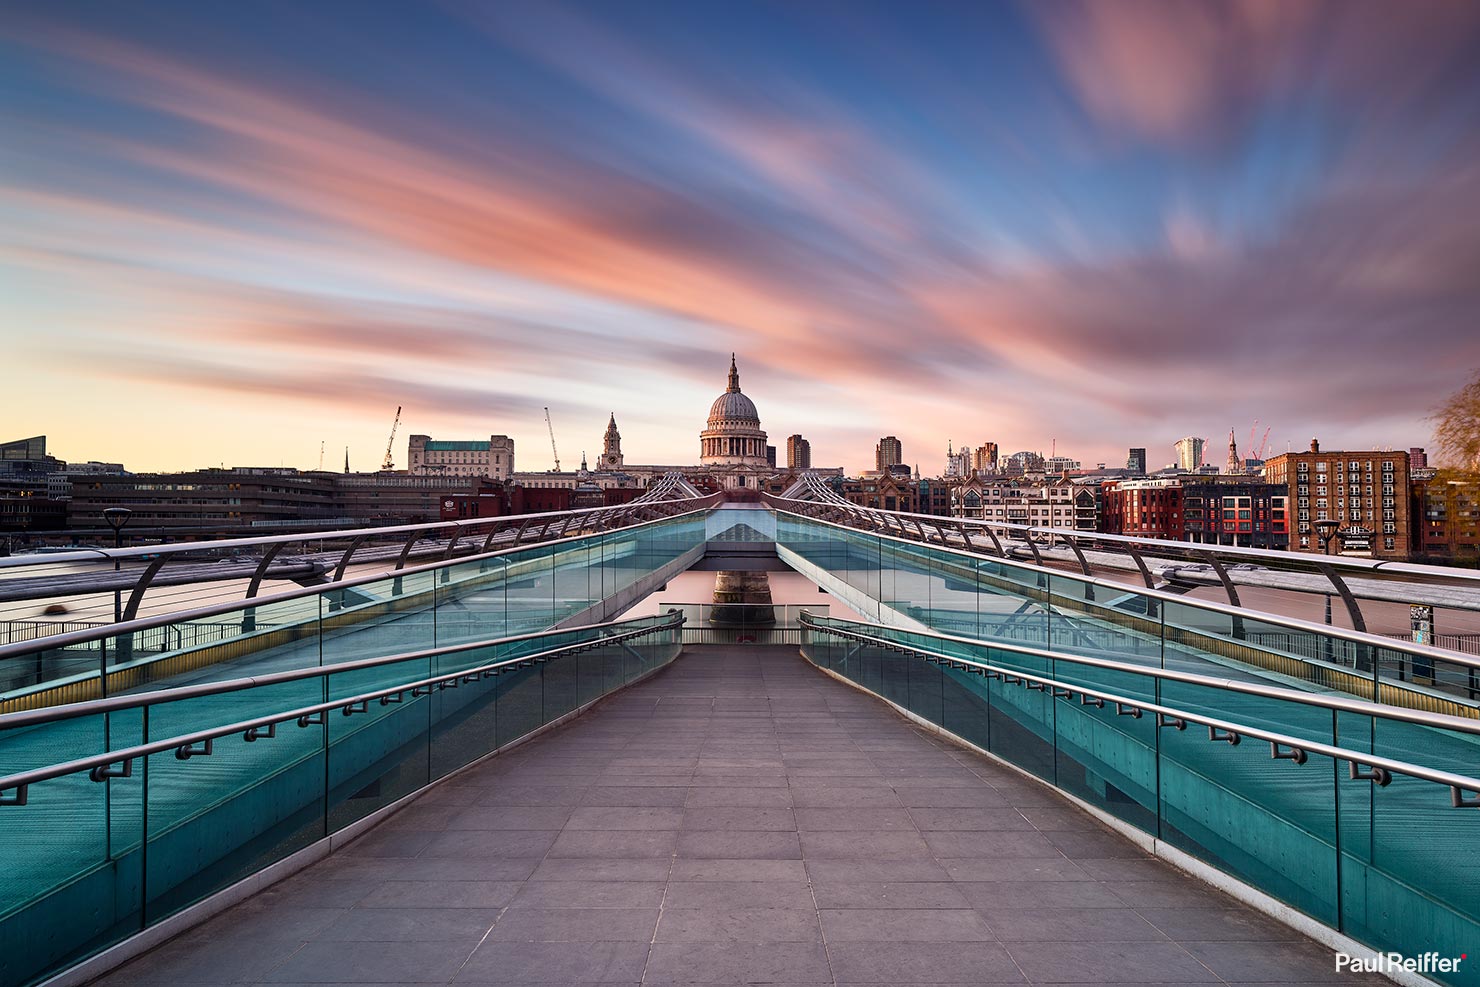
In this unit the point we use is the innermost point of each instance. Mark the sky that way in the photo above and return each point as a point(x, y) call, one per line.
point(240, 233)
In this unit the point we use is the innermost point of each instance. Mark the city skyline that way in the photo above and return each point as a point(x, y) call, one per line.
point(231, 235)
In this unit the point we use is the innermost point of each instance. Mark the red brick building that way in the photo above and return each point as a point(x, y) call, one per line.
point(1368, 492)
point(1446, 526)
point(1150, 508)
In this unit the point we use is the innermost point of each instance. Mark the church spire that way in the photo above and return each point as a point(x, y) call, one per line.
point(734, 387)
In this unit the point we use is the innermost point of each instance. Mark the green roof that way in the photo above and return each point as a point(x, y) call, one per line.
point(457, 446)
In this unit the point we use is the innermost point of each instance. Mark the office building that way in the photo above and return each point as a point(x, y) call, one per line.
point(1189, 453)
point(492, 458)
point(889, 452)
point(798, 453)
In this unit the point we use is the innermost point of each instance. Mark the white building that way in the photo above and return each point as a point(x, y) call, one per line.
point(493, 458)
point(1049, 505)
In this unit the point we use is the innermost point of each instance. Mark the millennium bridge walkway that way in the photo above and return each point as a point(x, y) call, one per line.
point(469, 768)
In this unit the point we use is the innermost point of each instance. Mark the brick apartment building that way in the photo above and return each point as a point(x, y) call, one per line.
point(1235, 510)
point(1368, 492)
point(1446, 519)
point(1149, 508)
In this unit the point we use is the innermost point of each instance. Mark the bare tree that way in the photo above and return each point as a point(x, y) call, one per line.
point(1457, 428)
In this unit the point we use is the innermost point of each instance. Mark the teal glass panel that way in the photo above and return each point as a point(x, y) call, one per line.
point(217, 817)
point(71, 879)
point(577, 579)
point(1104, 622)
point(380, 750)
point(590, 675)
point(464, 719)
point(966, 707)
point(1011, 604)
point(470, 602)
point(530, 590)
point(1106, 751)
point(1409, 867)
point(520, 702)
point(372, 619)
point(560, 689)
point(75, 666)
point(1022, 717)
point(925, 687)
point(1266, 821)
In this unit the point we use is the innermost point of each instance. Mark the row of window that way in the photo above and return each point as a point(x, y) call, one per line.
point(1353, 465)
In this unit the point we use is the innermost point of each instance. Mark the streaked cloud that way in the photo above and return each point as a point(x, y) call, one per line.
point(1105, 224)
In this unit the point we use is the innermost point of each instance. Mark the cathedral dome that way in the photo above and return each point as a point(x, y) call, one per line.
point(733, 405)
point(733, 436)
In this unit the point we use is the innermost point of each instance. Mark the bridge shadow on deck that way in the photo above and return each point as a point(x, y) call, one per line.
point(739, 818)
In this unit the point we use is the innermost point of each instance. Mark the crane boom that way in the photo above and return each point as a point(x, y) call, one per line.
point(388, 463)
point(555, 452)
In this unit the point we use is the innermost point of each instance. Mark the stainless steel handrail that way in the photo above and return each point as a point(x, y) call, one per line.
point(160, 620)
point(1263, 616)
point(1343, 704)
point(19, 783)
point(1179, 547)
point(1459, 785)
point(90, 707)
point(332, 534)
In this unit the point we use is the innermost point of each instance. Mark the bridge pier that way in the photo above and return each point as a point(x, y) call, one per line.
point(742, 598)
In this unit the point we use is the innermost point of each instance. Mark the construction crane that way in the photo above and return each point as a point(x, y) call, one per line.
point(553, 450)
point(1263, 444)
point(388, 464)
point(321, 455)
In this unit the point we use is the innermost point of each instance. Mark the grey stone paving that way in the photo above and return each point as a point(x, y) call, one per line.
point(739, 818)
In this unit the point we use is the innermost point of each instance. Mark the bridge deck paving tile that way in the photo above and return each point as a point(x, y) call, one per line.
point(738, 818)
point(618, 818)
point(637, 796)
point(441, 894)
point(735, 923)
point(544, 924)
point(740, 894)
point(504, 817)
point(747, 844)
point(714, 796)
point(406, 925)
point(883, 894)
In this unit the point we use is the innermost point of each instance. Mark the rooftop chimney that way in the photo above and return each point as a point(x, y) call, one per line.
point(1315, 446)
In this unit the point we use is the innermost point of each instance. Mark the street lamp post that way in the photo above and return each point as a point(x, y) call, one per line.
point(117, 518)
